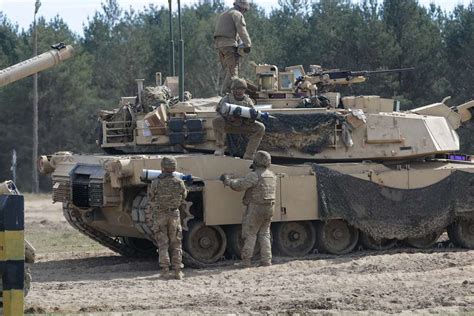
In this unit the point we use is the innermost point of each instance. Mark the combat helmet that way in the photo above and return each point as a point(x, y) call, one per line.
point(238, 83)
point(262, 159)
point(243, 4)
point(168, 164)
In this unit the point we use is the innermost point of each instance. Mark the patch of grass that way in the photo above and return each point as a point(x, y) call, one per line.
point(58, 240)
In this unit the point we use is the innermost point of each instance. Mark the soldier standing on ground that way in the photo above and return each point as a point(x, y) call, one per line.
point(260, 187)
point(229, 31)
point(225, 123)
point(165, 195)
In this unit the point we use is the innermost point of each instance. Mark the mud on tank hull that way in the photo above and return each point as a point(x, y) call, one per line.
point(328, 207)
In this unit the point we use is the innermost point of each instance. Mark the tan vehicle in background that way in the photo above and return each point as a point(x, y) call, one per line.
point(59, 53)
point(349, 169)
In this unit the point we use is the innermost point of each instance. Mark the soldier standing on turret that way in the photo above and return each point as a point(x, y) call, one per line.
point(259, 197)
point(230, 30)
point(225, 123)
point(165, 195)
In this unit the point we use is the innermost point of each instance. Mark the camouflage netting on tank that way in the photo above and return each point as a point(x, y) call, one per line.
point(308, 133)
point(394, 213)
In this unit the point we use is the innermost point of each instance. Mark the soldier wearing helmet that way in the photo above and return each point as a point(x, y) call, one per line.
point(259, 198)
point(165, 195)
point(225, 123)
point(230, 33)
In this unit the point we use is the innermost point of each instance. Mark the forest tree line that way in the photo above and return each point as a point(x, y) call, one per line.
point(118, 46)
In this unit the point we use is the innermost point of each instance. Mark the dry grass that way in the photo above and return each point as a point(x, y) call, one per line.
point(53, 241)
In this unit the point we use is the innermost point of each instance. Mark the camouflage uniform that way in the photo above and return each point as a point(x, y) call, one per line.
point(165, 195)
point(230, 29)
point(260, 187)
point(223, 124)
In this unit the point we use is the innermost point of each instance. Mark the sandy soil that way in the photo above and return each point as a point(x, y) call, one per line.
point(75, 275)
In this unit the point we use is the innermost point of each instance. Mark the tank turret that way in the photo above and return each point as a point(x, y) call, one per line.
point(302, 119)
point(58, 54)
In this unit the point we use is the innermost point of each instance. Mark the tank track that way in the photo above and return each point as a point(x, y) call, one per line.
point(74, 218)
point(142, 220)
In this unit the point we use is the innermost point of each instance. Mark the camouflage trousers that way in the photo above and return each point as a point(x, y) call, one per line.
point(256, 224)
point(230, 61)
point(255, 131)
point(169, 236)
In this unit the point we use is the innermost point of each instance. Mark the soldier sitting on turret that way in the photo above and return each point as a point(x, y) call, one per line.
point(225, 123)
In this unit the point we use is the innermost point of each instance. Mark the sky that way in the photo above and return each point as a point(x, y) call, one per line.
point(76, 12)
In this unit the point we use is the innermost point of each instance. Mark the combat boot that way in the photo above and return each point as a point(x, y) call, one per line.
point(178, 274)
point(265, 264)
point(165, 273)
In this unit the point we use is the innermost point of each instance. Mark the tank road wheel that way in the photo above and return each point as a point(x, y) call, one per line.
point(376, 244)
point(336, 237)
point(143, 248)
point(461, 233)
point(204, 243)
point(294, 239)
point(423, 242)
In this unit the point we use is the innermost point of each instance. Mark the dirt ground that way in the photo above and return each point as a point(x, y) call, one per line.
point(75, 275)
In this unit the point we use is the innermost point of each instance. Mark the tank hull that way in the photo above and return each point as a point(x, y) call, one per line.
point(104, 198)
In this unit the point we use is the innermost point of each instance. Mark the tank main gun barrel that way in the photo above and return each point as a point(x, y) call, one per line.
point(59, 53)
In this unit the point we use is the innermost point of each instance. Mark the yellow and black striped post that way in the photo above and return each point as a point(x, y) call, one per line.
point(12, 253)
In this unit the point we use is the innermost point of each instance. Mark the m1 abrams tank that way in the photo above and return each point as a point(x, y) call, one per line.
point(349, 169)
